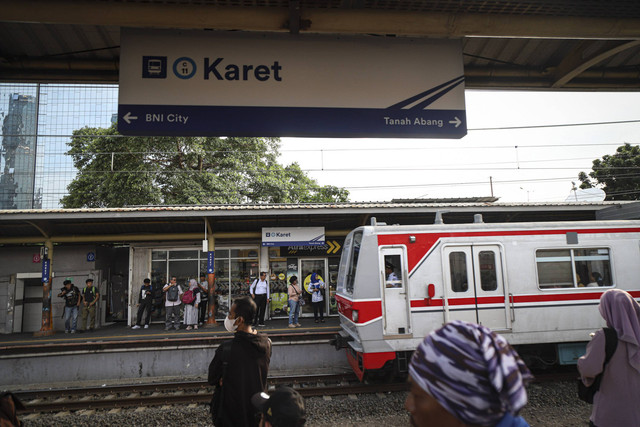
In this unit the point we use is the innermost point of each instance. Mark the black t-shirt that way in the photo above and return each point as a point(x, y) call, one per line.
point(71, 297)
point(89, 294)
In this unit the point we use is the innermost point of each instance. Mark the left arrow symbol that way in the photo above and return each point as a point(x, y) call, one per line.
point(128, 117)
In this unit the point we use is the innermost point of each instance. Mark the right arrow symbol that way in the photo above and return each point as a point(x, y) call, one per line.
point(456, 122)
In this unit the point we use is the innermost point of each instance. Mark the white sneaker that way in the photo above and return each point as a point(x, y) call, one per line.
point(146, 326)
point(135, 327)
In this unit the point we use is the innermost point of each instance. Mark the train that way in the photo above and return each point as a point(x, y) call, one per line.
point(537, 284)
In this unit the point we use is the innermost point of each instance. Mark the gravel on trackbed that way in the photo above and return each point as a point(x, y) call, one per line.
point(550, 404)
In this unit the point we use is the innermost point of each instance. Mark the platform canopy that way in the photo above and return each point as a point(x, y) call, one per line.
point(507, 44)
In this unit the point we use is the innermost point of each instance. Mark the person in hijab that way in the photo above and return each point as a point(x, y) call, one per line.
point(464, 374)
point(616, 402)
point(191, 310)
point(316, 287)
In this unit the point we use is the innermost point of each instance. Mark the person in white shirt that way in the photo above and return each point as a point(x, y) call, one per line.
point(259, 291)
point(172, 304)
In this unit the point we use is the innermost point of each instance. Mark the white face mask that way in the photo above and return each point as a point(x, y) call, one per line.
point(229, 324)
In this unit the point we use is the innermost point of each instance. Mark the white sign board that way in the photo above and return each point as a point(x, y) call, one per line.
point(252, 84)
point(293, 236)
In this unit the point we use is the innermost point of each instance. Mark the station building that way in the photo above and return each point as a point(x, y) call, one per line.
point(120, 247)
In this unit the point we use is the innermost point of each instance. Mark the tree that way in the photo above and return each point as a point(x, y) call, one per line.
point(618, 174)
point(116, 171)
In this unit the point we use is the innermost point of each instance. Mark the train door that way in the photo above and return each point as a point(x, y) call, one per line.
point(395, 292)
point(475, 285)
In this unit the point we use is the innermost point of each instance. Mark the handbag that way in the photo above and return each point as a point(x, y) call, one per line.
point(587, 393)
point(300, 298)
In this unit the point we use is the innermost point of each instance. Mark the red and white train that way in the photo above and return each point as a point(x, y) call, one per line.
point(534, 283)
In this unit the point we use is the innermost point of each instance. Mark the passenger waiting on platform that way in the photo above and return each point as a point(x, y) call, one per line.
point(72, 300)
point(204, 299)
point(259, 291)
point(283, 408)
point(191, 310)
point(145, 303)
point(239, 368)
point(316, 286)
point(464, 374)
point(90, 298)
point(295, 298)
point(616, 401)
point(172, 303)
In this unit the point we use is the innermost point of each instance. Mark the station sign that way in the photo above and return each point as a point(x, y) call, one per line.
point(210, 83)
point(293, 236)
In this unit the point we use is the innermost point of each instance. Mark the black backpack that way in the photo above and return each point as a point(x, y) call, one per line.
point(172, 293)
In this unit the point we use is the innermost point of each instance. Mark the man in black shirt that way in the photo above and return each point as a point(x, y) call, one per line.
point(90, 297)
point(145, 300)
point(239, 368)
point(71, 295)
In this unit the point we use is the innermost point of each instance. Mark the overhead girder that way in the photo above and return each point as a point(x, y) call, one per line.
point(319, 20)
point(588, 54)
point(603, 37)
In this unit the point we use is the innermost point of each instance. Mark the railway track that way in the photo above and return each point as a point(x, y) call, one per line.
point(199, 392)
point(183, 393)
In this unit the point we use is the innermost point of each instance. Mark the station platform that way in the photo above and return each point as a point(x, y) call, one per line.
point(111, 335)
point(117, 352)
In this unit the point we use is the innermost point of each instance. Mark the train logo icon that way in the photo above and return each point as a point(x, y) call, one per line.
point(154, 67)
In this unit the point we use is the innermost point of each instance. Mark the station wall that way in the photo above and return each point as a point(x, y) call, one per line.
point(20, 277)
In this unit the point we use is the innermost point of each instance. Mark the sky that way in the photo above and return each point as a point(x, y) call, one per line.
point(531, 164)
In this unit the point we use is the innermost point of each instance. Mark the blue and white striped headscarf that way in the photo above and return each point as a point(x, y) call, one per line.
point(472, 372)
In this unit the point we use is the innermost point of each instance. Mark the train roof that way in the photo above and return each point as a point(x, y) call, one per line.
point(381, 228)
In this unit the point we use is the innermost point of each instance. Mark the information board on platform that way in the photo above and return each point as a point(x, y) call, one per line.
point(293, 236)
point(208, 83)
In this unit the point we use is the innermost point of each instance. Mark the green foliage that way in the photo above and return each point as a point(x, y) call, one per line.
point(116, 171)
point(618, 174)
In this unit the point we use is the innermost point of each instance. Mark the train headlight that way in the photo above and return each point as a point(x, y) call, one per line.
point(354, 316)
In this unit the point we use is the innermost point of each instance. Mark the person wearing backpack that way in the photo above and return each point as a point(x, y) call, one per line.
point(191, 300)
point(172, 304)
point(90, 297)
point(616, 401)
point(239, 368)
point(71, 295)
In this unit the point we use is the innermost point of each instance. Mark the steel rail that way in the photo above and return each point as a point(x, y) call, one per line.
point(173, 386)
point(113, 402)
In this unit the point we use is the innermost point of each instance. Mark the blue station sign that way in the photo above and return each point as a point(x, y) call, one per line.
point(204, 83)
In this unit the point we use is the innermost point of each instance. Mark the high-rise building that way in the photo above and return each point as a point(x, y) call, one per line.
point(19, 145)
point(38, 121)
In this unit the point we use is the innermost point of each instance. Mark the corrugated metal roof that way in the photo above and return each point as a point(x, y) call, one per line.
point(313, 206)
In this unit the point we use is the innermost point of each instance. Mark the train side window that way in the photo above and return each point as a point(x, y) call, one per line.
point(568, 268)
point(392, 271)
point(554, 268)
point(593, 267)
point(458, 269)
point(488, 278)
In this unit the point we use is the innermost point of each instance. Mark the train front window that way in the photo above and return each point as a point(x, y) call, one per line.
point(349, 261)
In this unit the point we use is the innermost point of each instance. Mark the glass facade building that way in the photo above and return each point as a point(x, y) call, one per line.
point(38, 121)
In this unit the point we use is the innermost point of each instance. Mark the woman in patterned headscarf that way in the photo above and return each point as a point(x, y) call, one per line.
point(616, 402)
point(464, 374)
